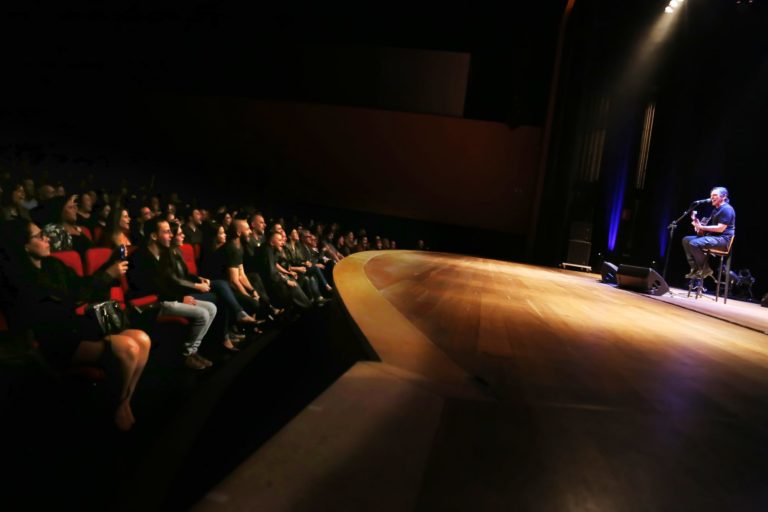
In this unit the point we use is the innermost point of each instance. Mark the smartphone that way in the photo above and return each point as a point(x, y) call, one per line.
point(122, 252)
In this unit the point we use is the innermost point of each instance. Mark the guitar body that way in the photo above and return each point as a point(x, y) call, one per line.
point(704, 221)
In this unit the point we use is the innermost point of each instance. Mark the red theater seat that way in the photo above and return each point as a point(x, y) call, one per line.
point(188, 254)
point(70, 259)
point(95, 258)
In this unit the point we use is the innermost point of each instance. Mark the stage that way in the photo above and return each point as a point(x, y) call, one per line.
point(502, 386)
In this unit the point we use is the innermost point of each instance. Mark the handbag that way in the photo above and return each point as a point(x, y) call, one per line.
point(143, 317)
point(109, 315)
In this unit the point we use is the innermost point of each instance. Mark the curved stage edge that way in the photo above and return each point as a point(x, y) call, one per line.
point(508, 386)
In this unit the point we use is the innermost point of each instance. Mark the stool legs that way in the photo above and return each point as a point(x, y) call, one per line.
point(719, 279)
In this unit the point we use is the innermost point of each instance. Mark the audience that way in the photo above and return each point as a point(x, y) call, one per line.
point(217, 291)
point(252, 274)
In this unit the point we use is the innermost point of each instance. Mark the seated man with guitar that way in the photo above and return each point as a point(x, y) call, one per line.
point(714, 232)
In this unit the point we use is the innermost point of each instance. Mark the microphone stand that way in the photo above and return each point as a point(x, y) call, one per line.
point(672, 226)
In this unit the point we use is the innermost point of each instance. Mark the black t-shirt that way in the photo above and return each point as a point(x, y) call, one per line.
point(234, 254)
point(192, 237)
point(214, 264)
point(724, 215)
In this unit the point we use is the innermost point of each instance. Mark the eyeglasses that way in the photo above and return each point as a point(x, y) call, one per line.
point(39, 235)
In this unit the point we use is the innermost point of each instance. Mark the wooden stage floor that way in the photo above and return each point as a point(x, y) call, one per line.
point(517, 387)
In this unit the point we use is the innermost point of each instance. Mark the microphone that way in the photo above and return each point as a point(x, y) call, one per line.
point(702, 201)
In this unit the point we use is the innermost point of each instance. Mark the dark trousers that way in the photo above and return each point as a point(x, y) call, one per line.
point(694, 249)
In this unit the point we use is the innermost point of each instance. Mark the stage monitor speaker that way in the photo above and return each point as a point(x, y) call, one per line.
point(642, 279)
point(764, 302)
point(608, 272)
point(579, 252)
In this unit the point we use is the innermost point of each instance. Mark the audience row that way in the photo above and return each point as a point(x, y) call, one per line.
point(218, 277)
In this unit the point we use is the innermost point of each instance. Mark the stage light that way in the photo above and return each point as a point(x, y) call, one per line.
point(674, 3)
point(669, 10)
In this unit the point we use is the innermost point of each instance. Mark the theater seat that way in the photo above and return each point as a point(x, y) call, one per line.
point(71, 259)
point(188, 254)
point(95, 258)
point(97, 230)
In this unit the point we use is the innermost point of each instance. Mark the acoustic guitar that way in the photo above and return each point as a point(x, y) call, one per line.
point(704, 221)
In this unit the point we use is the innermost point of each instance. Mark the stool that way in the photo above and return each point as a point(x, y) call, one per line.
point(722, 253)
point(697, 284)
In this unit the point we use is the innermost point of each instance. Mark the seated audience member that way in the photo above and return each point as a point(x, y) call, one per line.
point(201, 288)
point(118, 229)
point(154, 206)
point(30, 200)
point(61, 225)
point(46, 295)
point(212, 260)
point(192, 228)
point(341, 246)
point(251, 248)
point(12, 203)
point(147, 275)
point(85, 211)
point(100, 215)
point(256, 242)
point(322, 261)
point(45, 192)
point(169, 213)
point(281, 284)
point(224, 219)
point(137, 226)
point(363, 245)
point(304, 268)
point(351, 242)
point(328, 249)
point(247, 292)
point(312, 258)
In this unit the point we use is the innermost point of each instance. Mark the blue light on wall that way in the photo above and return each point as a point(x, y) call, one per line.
point(616, 198)
point(666, 208)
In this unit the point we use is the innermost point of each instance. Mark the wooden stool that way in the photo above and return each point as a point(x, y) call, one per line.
point(722, 254)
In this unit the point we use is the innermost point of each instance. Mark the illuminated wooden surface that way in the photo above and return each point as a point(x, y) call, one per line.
point(547, 335)
point(602, 399)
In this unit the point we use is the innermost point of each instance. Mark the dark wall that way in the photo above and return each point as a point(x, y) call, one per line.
point(441, 169)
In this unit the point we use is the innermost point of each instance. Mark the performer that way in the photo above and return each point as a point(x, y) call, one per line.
point(716, 234)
